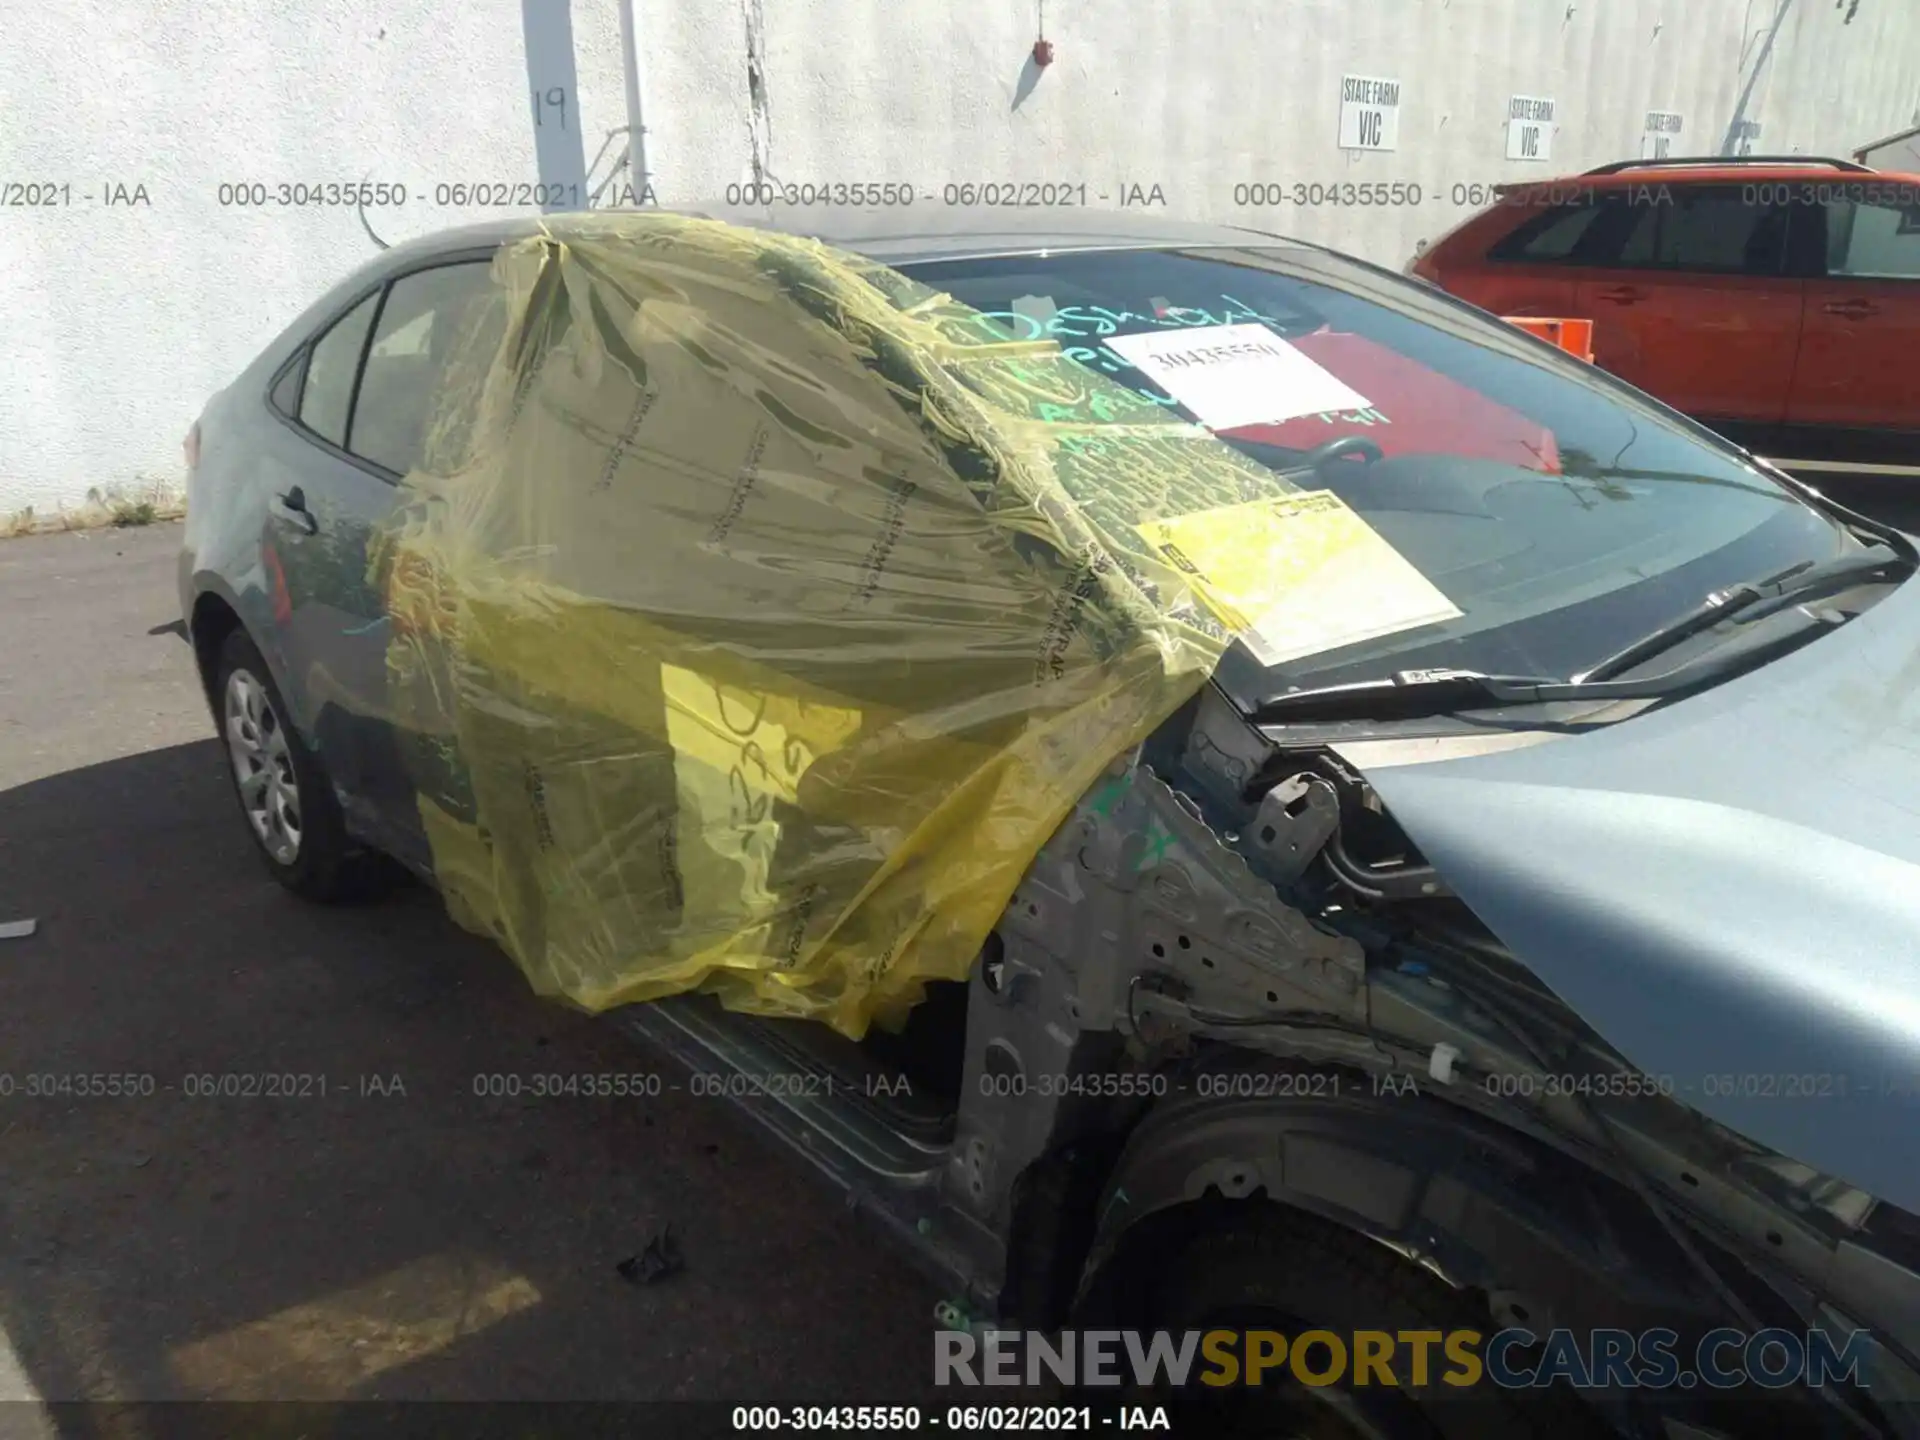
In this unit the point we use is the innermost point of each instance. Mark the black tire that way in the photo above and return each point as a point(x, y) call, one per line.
point(325, 865)
point(1253, 1265)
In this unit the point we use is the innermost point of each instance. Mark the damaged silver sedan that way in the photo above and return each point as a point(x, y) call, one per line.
point(1509, 934)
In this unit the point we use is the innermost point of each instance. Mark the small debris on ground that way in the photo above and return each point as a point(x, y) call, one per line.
point(657, 1261)
point(17, 929)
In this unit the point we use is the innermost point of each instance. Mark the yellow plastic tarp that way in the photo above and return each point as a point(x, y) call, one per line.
point(759, 613)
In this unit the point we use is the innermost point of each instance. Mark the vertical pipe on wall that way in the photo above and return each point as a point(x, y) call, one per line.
point(759, 124)
point(1753, 76)
point(553, 95)
point(638, 173)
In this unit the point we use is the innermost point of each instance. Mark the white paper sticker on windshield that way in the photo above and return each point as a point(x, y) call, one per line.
point(1234, 375)
point(1298, 575)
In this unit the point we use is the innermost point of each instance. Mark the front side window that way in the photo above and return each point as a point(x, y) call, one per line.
point(326, 399)
point(428, 318)
point(1559, 514)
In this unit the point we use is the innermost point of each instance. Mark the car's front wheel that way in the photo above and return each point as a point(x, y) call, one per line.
point(284, 795)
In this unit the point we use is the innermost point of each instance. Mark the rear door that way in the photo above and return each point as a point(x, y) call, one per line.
point(1692, 300)
point(358, 399)
point(1856, 390)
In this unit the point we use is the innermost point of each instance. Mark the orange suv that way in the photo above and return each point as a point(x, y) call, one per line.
point(1776, 299)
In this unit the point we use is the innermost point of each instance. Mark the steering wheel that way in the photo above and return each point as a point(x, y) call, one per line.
point(1339, 449)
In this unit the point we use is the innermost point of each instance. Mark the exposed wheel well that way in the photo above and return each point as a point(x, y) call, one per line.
point(1171, 1229)
point(1543, 1238)
point(1211, 1261)
point(1122, 1292)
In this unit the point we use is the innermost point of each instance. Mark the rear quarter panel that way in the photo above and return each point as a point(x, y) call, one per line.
point(247, 454)
point(1458, 264)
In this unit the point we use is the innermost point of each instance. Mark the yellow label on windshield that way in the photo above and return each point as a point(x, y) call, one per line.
point(1298, 575)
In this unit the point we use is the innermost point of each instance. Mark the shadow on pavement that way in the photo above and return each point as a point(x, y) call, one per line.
point(375, 1222)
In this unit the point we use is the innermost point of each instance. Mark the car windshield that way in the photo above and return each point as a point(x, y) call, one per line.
point(1559, 514)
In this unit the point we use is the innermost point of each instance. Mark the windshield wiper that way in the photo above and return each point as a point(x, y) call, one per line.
point(1412, 694)
point(1789, 586)
point(1415, 694)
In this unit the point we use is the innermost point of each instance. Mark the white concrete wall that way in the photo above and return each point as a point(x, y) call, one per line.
point(116, 321)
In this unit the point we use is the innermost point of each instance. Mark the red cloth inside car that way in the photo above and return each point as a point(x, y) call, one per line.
point(1413, 410)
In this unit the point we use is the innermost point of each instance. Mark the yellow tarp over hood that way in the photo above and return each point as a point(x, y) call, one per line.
point(759, 613)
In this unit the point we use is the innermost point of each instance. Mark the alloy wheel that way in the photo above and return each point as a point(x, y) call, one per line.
point(263, 766)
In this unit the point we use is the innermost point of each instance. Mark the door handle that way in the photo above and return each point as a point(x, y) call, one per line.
point(1621, 294)
point(292, 508)
point(1851, 309)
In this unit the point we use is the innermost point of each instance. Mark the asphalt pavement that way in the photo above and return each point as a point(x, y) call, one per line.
point(380, 1227)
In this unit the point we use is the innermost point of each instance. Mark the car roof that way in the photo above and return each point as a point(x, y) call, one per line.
point(1704, 173)
point(900, 235)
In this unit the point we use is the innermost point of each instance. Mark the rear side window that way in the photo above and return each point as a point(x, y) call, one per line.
point(326, 400)
point(286, 390)
point(429, 316)
point(1878, 242)
point(1711, 229)
point(1551, 236)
